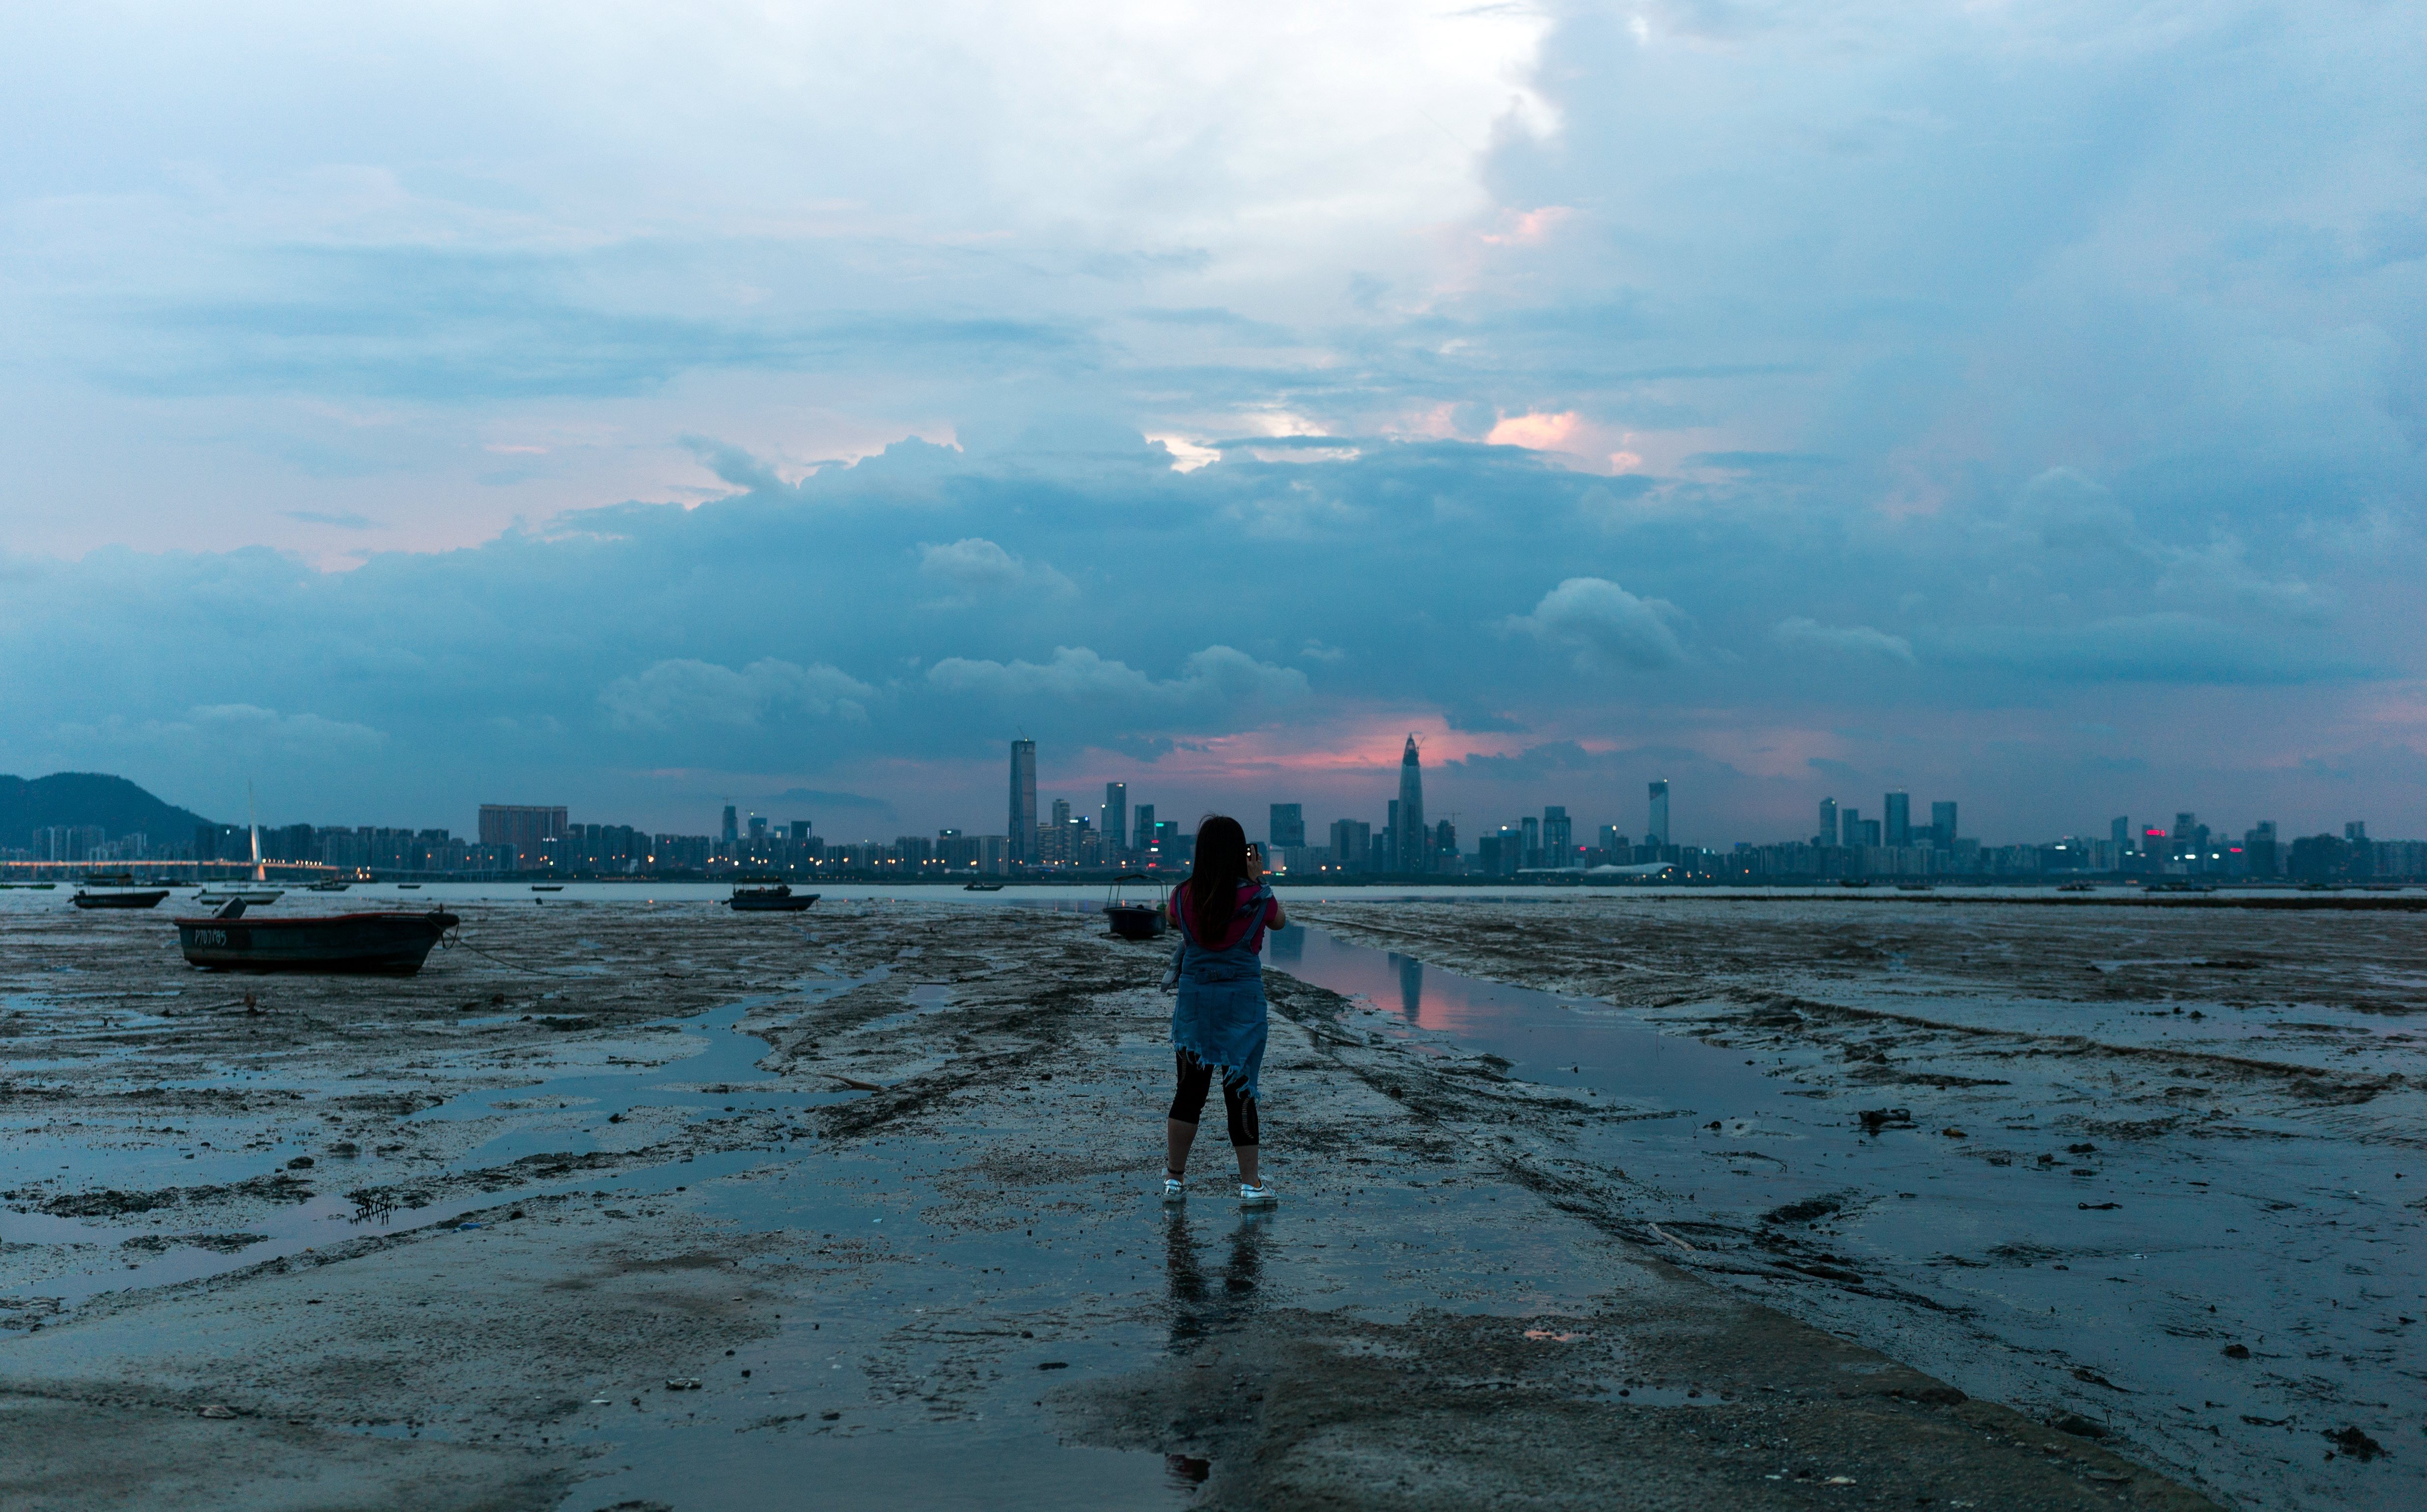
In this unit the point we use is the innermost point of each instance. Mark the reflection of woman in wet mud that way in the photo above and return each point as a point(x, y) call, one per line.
point(1222, 912)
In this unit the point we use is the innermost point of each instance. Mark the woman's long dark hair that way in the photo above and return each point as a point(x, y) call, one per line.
point(1213, 877)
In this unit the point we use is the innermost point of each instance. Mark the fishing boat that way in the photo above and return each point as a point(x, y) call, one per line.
point(778, 899)
point(1136, 921)
point(119, 895)
point(224, 894)
point(333, 885)
point(547, 887)
point(408, 886)
point(391, 943)
point(982, 887)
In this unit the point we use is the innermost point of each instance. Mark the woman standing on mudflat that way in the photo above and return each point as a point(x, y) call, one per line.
point(1221, 912)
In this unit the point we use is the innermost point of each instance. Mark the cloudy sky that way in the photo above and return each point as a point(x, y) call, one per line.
point(648, 407)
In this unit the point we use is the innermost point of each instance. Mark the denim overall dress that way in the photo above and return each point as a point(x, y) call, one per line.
point(1220, 1016)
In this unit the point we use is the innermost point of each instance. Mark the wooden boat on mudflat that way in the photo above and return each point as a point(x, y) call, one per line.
point(121, 898)
point(778, 899)
point(1132, 920)
point(389, 943)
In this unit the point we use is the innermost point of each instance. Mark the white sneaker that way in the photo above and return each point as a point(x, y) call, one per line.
point(1256, 1197)
point(1174, 1189)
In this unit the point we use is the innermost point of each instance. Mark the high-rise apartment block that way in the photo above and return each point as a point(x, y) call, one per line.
point(1352, 841)
point(1559, 838)
point(1288, 825)
point(525, 825)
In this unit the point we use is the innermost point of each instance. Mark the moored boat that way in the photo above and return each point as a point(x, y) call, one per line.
point(244, 894)
point(121, 898)
point(390, 943)
point(1136, 921)
point(778, 899)
point(982, 887)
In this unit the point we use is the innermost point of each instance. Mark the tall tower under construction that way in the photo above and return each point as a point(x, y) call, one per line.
point(1414, 844)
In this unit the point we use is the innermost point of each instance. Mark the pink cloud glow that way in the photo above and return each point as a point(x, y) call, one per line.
point(1533, 432)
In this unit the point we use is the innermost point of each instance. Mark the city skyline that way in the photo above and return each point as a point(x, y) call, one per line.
point(1377, 805)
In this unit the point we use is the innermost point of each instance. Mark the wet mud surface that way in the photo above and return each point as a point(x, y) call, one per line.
point(2156, 1172)
point(659, 1206)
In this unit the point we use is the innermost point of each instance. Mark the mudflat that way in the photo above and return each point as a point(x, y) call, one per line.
point(655, 1205)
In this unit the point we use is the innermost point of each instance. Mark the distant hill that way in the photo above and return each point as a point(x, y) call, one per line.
point(115, 803)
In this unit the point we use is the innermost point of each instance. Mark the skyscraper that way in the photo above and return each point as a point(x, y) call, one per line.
point(1409, 828)
point(1942, 826)
point(1350, 842)
point(1529, 846)
point(520, 825)
point(1289, 825)
point(1145, 828)
point(1022, 834)
point(1828, 835)
point(732, 829)
point(2119, 831)
point(1559, 838)
point(1897, 809)
point(1116, 814)
point(1657, 833)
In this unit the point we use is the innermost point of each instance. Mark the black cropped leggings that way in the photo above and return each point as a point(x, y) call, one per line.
point(1188, 1103)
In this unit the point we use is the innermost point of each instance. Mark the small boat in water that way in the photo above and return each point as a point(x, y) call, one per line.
point(408, 886)
point(391, 943)
point(547, 887)
point(121, 897)
point(982, 887)
point(243, 895)
point(778, 899)
point(1136, 921)
point(330, 886)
